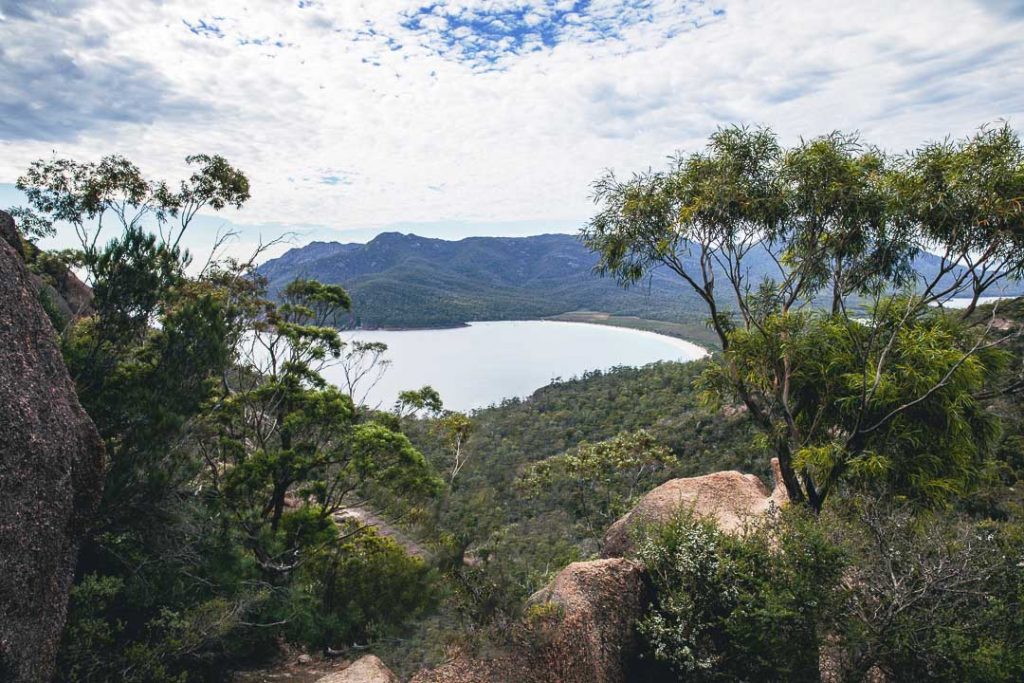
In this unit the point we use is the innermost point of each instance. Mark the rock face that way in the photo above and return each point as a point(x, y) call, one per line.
point(367, 669)
point(9, 234)
point(68, 294)
point(51, 474)
point(581, 631)
point(593, 636)
point(729, 498)
point(73, 296)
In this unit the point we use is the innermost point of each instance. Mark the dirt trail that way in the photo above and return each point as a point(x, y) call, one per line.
point(366, 516)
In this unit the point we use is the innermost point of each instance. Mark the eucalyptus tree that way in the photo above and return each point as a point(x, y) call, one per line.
point(285, 451)
point(824, 269)
point(602, 481)
point(141, 260)
point(363, 365)
point(414, 402)
point(89, 195)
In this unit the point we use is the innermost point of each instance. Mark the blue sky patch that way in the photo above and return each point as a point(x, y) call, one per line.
point(204, 28)
point(485, 35)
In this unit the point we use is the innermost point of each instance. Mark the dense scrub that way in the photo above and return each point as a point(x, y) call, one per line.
point(869, 587)
point(507, 442)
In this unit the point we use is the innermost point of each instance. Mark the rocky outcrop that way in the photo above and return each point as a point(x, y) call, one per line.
point(579, 629)
point(368, 669)
point(595, 606)
point(728, 498)
point(581, 626)
point(9, 234)
point(73, 296)
point(51, 467)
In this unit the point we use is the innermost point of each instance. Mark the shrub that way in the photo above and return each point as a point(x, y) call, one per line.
point(933, 596)
point(749, 607)
point(362, 590)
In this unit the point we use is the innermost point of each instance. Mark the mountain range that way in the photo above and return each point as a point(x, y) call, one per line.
point(400, 281)
point(407, 281)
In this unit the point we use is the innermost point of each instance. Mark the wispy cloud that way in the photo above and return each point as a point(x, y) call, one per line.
point(202, 27)
point(371, 112)
point(62, 79)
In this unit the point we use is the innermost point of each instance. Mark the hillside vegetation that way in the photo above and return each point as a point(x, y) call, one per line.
point(408, 281)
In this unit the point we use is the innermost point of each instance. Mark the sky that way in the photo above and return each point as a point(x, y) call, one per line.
point(452, 118)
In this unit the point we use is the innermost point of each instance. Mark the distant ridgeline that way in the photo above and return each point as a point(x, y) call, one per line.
point(402, 281)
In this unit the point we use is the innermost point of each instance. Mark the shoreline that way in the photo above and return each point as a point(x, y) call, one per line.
point(677, 338)
point(691, 334)
point(491, 361)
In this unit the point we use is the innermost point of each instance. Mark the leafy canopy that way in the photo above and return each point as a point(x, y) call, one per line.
point(841, 353)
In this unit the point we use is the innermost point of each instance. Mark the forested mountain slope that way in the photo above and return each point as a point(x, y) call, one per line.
point(410, 281)
point(401, 280)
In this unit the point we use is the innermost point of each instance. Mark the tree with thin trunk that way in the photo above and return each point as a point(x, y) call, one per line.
point(825, 270)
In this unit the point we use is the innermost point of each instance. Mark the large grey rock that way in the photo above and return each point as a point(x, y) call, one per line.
point(51, 474)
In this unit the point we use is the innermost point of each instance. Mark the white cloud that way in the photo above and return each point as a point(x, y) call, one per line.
point(396, 110)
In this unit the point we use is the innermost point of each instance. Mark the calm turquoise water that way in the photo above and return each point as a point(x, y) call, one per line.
point(481, 364)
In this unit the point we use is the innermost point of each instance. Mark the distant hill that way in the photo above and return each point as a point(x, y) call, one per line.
point(409, 281)
point(400, 281)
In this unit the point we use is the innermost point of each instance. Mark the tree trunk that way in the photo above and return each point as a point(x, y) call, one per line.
point(789, 476)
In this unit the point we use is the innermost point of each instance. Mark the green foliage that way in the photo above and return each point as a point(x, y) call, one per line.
point(932, 596)
point(871, 586)
point(455, 429)
point(855, 393)
point(413, 401)
point(30, 224)
point(85, 194)
point(133, 276)
point(494, 581)
point(726, 608)
point(600, 482)
point(230, 456)
point(966, 195)
point(52, 309)
point(90, 638)
point(483, 505)
point(359, 591)
point(317, 303)
point(498, 543)
point(98, 645)
point(913, 427)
